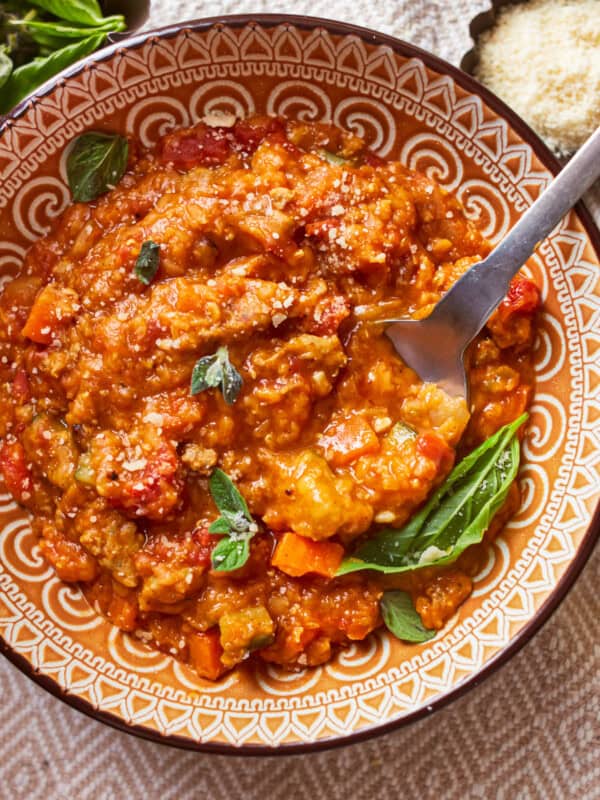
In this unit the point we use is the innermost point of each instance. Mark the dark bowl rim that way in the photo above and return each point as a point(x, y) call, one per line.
point(591, 535)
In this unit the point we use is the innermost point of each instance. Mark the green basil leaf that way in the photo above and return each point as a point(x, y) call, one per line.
point(220, 525)
point(215, 371)
point(207, 374)
point(87, 12)
point(231, 383)
point(56, 35)
point(28, 77)
point(231, 553)
point(237, 520)
point(401, 618)
point(96, 164)
point(456, 516)
point(226, 496)
point(6, 66)
point(146, 264)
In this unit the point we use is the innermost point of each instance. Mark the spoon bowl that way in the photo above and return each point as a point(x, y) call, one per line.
point(435, 346)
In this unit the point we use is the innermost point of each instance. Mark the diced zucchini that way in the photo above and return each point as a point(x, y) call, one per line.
point(332, 158)
point(243, 631)
point(84, 472)
point(48, 442)
point(400, 433)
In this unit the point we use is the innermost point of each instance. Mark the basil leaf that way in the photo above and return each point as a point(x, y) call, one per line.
point(456, 516)
point(215, 371)
point(146, 264)
point(231, 382)
point(26, 78)
point(235, 521)
point(96, 164)
point(226, 496)
point(207, 374)
point(6, 66)
point(401, 618)
point(56, 35)
point(230, 553)
point(220, 525)
point(87, 12)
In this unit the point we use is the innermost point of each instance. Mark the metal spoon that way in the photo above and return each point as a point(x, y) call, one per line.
point(435, 346)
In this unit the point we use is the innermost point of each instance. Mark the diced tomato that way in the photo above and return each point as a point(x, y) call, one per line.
point(249, 134)
point(328, 316)
point(321, 228)
point(205, 654)
point(296, 555)
point(204, 544)
point(21, 390)
point(435, 449)
point(523, 297)
point(203, 146)
point(17, 475)
point(347, 439)
point(71, 562)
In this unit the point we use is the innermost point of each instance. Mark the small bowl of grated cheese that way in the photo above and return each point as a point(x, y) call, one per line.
point(542, 57)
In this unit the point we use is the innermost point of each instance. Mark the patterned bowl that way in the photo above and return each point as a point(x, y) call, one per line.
point(432, 117)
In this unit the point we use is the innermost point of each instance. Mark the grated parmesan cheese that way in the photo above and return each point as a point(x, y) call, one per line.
point(543, 59)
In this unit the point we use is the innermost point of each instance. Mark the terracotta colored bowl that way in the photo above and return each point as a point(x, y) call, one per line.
point(409, 105)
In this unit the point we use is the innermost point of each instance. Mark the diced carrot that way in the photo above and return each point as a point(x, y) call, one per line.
point(296, 555)
point(47, 314)
point(13, 466)
point(347, 439)
point(205, 654)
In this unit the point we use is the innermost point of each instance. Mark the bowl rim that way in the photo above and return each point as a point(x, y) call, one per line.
point(592, 534)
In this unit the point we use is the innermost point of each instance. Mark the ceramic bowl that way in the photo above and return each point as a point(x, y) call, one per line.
point(414, 107)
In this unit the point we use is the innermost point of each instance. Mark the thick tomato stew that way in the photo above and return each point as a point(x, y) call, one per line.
point(274, 247)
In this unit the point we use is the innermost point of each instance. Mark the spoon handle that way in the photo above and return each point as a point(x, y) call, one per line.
point(481, 289)
point(548, 210)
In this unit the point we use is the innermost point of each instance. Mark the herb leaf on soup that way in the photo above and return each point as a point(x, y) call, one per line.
point(401, 618)
point(217, 371)
point(235, 522)
point(96, 164)
point(147, 262)
point(455, 517)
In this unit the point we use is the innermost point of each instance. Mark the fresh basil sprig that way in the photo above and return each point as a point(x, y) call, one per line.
point(39, 38)
point(86, 12)
point(215, 371)
point(401, 618)
point(235, 523)
point(24, 79)
point(456, 516)
point(147, 262)
point(96, 164)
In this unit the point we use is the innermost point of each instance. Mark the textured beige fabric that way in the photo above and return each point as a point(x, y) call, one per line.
point(530, 731)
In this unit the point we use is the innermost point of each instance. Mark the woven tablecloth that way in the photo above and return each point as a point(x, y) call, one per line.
point(532, 730)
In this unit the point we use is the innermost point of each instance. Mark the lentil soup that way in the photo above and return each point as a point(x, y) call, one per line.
point(277, 247)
